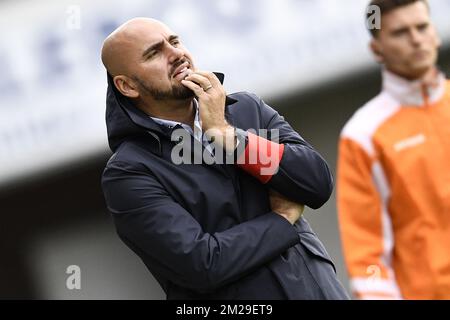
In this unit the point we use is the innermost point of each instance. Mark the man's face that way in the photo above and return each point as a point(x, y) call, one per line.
point(160, 62)
point(407, 43)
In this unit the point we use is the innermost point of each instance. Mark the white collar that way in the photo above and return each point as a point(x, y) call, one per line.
point(413, 93)
point(196, 131)
point(171, 124)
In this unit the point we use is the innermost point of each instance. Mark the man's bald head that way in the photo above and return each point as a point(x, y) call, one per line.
point(124, 43)
point(147, 61)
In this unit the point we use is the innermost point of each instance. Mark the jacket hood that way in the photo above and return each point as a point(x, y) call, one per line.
point(124, 120)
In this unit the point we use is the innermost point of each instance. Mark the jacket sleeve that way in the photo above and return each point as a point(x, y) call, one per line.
point(364, 223)
point(158, 228)
point(284, 161)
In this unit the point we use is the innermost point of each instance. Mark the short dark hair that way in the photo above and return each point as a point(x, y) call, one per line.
point(385, 7)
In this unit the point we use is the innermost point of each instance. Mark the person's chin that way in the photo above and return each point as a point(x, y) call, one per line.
point(423, 61)
point(418, 71)
point(181, 92)
point(423, 66)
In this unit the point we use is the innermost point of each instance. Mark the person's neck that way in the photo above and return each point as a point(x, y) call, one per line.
point(428, 78)
point(175, 110)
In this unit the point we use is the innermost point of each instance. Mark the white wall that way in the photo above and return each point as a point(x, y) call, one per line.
point(52, 88)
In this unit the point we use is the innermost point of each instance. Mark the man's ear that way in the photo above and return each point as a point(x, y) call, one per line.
point(375, 47)
point(126, 86)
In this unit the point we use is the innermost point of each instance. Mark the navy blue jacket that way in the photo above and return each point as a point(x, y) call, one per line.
point(207, 231)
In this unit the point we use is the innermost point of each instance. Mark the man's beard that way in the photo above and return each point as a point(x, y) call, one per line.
point(177, 92)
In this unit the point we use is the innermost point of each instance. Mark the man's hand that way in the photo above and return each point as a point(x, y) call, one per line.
point(211, 97)
point(288, 209)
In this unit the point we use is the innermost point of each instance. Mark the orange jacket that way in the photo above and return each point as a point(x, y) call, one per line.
point(393, 192)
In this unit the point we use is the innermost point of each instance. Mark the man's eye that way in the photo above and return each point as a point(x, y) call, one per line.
point(151, 54)
point(399, 33)
point(175, 42)
point(422, 27)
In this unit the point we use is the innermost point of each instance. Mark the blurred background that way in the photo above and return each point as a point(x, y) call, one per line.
point(309, 59)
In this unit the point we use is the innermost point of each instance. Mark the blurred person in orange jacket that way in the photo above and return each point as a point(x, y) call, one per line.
point(393, 190)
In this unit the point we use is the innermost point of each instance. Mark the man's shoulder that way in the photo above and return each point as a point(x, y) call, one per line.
point(247, 102)
point(367, 119)
point(249, 110)
point(130, 153)
point(365, 122)
point(245, 97)
point(447, 84)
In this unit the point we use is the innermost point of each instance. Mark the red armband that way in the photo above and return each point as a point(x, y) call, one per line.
point(261, 157)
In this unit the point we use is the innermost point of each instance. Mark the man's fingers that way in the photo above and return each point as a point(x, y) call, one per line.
point(272, 192)
point(198, 90)
point(200, 80)
point(278, 198)
point(211, 77)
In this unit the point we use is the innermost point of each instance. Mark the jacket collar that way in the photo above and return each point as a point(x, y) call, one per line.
point(143, 120)
point(413, 93)
point(124, 120)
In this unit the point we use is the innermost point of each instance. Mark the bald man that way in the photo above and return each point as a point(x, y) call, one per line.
point(208, 189)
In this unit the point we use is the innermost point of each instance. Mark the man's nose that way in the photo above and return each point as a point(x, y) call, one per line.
point(175, 54)
point(415, 37)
